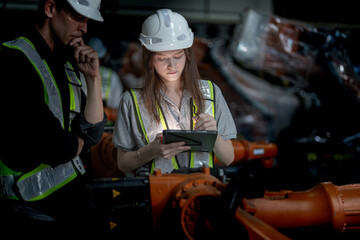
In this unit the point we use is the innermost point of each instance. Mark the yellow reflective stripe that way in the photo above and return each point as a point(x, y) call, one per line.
point(152, 167)
point(107, 92)
point(211, 154)
point(212, 97)
point(72, 68)
point(58, 186)
point(195, 110)
point(162, 120)
point(174, 163)
point(72, 98)
point(57, 89)
point(141, 124)
point(107, 81)
point(192, 163)
point(139, 115)
point(163, 123)
point(211, 157)
point(24, 38)
point(36, 170)
point(71, 89)
point(44, 180)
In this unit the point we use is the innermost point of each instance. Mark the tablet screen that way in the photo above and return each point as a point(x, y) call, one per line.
point(200, 141)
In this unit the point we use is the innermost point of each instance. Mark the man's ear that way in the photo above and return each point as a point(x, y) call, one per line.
point(49, 8)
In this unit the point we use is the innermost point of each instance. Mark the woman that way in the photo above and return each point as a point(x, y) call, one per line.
point(173, 97)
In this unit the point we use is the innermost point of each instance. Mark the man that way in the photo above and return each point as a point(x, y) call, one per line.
point(47, 121)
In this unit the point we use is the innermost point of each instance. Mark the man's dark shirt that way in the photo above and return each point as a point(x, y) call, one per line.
point(30, 133)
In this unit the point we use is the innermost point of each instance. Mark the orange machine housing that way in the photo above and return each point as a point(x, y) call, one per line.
point(323, 204)
point(180, 198)
point(247, 151)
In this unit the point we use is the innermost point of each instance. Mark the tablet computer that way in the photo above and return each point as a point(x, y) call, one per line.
point(200, 141)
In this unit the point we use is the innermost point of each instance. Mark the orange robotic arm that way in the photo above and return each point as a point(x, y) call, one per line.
point(323, 204)
point(246, 151)
point(200, 205)
point(185, 204)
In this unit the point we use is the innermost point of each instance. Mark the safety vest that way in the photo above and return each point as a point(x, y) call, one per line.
point(43, 180)
point(197, 159)
point(106, 77)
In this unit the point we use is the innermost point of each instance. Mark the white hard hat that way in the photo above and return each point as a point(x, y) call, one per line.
point(166, 31)
point(87, 8)
point(98, 45)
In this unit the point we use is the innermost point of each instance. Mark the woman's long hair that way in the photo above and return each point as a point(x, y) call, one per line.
point(153, 85)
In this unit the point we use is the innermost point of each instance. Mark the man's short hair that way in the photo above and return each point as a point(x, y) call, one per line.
point(60, 4)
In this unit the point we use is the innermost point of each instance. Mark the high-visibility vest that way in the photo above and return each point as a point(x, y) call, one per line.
point(43, 180)
point(106, 77)
point(197, 159)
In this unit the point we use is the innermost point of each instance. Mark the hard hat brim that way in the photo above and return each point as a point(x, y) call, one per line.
point(87, 12)
point(167, 46)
